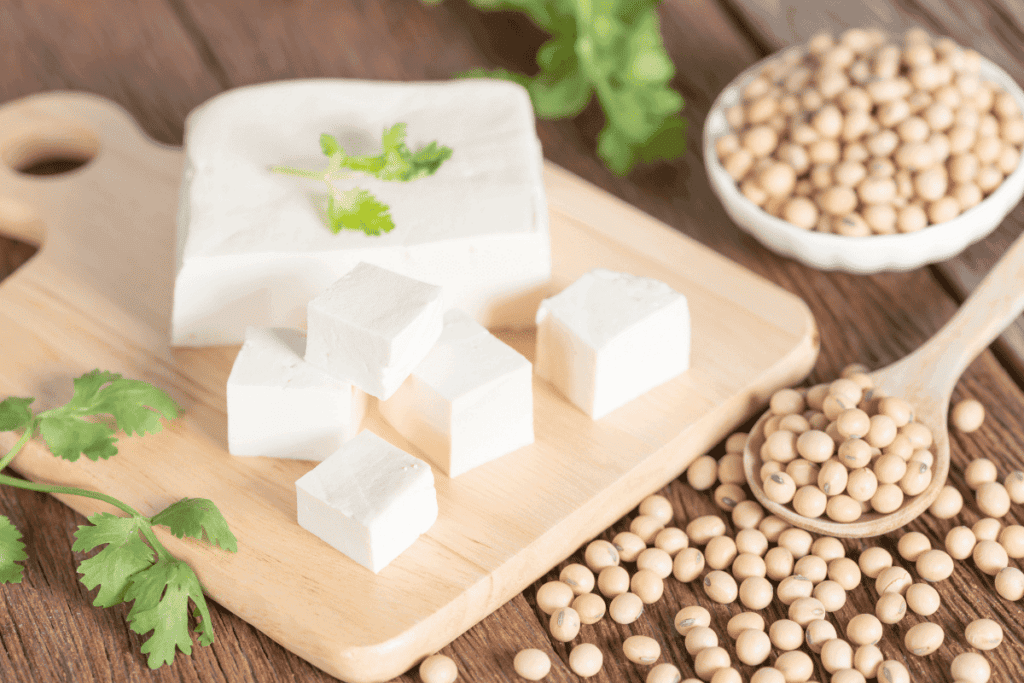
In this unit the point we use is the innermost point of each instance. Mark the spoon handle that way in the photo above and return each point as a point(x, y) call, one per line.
point(990, 308)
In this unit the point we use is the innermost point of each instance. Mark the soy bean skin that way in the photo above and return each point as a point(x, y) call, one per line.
point(700, 638)
point(565, 624)
point(532, 664)
point(867, 660)
point(893, 580)
point(688, 564)
point(892, 671)
point(1010, 583)
point(836, 655)
point(625, 608)
point(960, 542)
point(553, 596)
point(577, 577)
point(438, 669)
point(874, 561)
point(923, 599)
point(753, 647)
point(600, 554)
point(935, 565)
point(708, 661)
point(590, 607)
point(924, 638)
point(744, 621)
point(665, 673)
point(720, 587)
point(691, 617)
point(970, 667)
point(967, 415)
point(641, 649)
point(786, 634)
point(586, 660)
point(864, 629)
point(984, 634)
point(891, 608)
point(628, 545)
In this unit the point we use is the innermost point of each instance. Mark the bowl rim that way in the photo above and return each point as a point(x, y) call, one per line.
point(964, 225)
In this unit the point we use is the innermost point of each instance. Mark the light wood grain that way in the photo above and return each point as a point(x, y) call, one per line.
point(98, 295)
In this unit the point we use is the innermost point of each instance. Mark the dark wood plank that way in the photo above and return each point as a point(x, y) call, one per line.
point(874, 319)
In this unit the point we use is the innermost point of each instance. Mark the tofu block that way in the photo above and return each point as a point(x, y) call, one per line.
point(369, 499)
point(253, 247)
point(468, 402)
point(372, 327)
point(610, 337)
point(280, 406)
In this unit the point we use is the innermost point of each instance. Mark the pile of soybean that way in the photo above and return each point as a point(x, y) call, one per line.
point(743, 555)
point(862, 135)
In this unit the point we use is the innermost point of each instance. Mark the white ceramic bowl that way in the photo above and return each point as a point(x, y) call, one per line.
point(875, 253)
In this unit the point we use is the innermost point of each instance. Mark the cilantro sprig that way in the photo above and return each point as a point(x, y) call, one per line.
point(132, 564)
point(356, 208)
point(611, 49)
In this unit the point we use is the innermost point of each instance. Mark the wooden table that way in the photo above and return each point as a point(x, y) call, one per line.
point(161, 58)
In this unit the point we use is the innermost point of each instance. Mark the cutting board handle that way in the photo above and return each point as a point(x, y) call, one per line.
point(61, 125)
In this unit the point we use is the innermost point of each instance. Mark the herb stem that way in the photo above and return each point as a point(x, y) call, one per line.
point(68, 490)
point(29, 430)
point(154, 542)
point(301, 173)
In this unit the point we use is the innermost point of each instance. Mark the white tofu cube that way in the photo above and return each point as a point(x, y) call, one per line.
point(610, 337)
point(370, 500)
point(468, 402)
point(372, 327)
point(280, 406)
point(253, 246)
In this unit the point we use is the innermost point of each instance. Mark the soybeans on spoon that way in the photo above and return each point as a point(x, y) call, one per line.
point(925, 378)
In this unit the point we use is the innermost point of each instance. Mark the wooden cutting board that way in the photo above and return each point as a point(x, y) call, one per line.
point(98, 295)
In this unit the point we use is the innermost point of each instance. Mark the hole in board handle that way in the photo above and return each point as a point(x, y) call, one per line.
point(50, 148)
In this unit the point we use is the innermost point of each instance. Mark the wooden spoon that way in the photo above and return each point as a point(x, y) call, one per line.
point(926, 379)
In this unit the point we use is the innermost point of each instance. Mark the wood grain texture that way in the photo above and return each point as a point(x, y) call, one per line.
point(875, 319)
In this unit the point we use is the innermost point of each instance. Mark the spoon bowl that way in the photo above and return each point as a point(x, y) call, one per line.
point(925, 379)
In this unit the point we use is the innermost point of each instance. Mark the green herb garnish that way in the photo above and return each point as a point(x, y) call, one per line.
point(356, 208)
point(133, 566)
point(612, 48)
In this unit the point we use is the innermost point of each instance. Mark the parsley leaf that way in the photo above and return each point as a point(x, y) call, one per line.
point(357, 208)
point(136, 407)
point(14, 413)
point(125, 554)
point(194, 517)
point(611, 49)
point(12, 551)
point(161, 595)
point(133, 565)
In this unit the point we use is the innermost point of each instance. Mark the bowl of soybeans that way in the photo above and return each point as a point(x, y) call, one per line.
point(863, 153)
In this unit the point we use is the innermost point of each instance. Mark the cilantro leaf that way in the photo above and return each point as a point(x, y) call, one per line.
point(612, 49)
point(125, 554)
point(161, 595)
point(194, 517)
point(329, 144)
point(358, 209)
point(12, 551)
point(70, 437)
point(14, 413)
point(136, 407)
point(426, 160)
